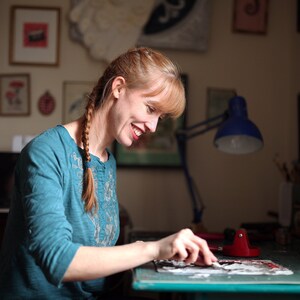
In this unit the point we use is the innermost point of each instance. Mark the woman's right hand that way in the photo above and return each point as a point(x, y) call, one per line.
point(184, 246)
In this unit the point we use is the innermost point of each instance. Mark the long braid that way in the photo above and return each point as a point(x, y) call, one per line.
point(88, 192)
point(141, 68)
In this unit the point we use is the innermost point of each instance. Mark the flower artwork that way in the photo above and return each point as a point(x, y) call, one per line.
point(14, 94)
point(14, 101)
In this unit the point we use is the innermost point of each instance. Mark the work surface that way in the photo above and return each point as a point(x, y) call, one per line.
point(148, 279)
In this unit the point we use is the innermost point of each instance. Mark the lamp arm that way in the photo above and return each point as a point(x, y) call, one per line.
point(202, 131)
point(197, 204)
point(205, 122)
point(182, 136)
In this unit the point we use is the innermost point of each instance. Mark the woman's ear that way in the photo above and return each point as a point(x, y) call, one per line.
point(117, 85)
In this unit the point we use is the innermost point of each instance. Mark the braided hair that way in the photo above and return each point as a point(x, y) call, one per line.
point(141, 68)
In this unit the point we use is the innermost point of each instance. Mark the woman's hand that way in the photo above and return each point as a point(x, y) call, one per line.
point(185, 246)
point(94, 262)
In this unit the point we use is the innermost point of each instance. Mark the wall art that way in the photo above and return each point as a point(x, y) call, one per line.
point(250, 16)
point(182, 25)
point(46, 103)
point(75, 93)
point(15, 94)
point(108, 28)
point(34, 35)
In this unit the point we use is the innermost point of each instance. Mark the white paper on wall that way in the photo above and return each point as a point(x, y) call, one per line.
point(20, 141)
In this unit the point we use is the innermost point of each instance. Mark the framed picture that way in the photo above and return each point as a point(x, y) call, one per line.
point(74, 102)
point(250, 16)
point(217, 102)
point(15, 94)
point(34, 35)
point(182, 25)
point(154, 150)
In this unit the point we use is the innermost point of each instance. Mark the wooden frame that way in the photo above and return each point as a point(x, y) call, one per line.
point(158, 149)
point(74, 100)
point(250, 16)
point(34, 35)
point(14, 94)
point(217, 102)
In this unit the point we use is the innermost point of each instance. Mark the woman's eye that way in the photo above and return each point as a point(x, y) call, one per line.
point(150, 109)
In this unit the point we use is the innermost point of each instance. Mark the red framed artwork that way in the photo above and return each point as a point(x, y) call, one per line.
point(34, 35)
point(250, 16)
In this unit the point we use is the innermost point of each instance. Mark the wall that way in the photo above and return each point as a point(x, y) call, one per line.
point(235, 189)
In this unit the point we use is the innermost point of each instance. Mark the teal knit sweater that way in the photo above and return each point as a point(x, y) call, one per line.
point(47, 222)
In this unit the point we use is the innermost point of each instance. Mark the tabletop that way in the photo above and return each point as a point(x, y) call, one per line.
point(148, 279)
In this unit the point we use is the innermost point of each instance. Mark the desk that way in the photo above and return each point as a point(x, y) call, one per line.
point(257, 287)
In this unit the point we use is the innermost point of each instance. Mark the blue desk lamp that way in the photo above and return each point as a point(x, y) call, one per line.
point(236, 135)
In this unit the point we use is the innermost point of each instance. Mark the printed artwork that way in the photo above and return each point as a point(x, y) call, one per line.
point(223, 267)
point(178, 25)
point(250, 16)
point(14, 94)
point(35, 35)
point(75, 97)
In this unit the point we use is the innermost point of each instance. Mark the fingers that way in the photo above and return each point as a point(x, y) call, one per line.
point(206, 255)
point(190, 248)
point(201, 261)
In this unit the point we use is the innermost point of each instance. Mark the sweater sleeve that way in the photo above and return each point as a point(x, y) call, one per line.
point(41, 174)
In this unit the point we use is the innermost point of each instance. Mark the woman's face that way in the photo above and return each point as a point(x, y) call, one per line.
point(133, 115)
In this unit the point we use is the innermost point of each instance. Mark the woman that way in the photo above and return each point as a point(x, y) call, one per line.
point(63, 219)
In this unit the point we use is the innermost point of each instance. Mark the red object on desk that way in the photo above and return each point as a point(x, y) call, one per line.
point(240, 247)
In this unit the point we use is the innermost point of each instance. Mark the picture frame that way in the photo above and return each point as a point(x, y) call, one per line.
point(74, 98)
point(14, 95)
point(250, 16)
point(186, 28)
point(156, 150)
point(217, 102)
point(34, 35)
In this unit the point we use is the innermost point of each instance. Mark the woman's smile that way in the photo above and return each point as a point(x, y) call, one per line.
point(136, 132)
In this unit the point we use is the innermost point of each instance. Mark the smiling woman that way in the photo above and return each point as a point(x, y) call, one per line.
point(65, 198)
point(157, 150)
point(142, 71)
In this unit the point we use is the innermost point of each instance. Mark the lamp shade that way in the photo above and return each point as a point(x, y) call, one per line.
point(237, 134)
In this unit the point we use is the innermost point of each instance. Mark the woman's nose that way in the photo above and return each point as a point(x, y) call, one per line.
point(152, 124)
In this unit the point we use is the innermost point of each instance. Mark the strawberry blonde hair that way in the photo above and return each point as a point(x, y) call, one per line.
point(142, 68)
